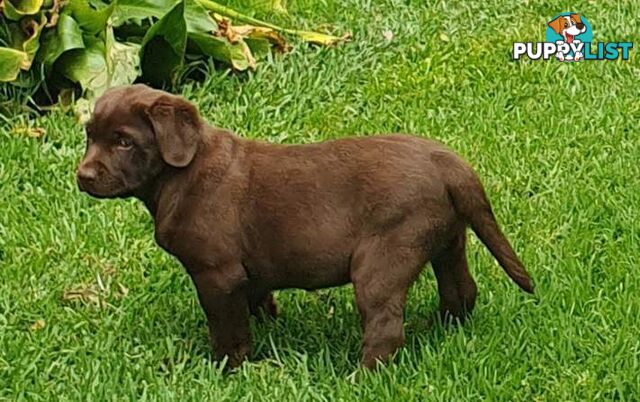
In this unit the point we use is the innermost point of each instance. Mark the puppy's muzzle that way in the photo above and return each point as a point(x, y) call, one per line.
point(86, 177)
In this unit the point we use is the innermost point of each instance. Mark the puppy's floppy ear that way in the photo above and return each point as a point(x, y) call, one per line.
point(576, 18)
point(557, 25)
point(177, 127)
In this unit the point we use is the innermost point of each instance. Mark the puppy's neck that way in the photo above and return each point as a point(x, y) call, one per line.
point(150, 194)
point(216, 151)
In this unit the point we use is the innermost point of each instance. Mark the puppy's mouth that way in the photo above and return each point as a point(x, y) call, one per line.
point(99, 191)
point(569, 37)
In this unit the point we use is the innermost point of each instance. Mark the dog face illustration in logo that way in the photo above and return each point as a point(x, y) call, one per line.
point(569, 26)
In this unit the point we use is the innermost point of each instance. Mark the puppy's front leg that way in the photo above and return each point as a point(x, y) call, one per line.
point(225, 303)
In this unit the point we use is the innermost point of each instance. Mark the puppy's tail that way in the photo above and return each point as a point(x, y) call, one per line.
point(470, 201)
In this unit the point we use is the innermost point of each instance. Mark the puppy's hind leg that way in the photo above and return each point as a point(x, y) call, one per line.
point(262, 305)
point(456, 287)
point(381, 276)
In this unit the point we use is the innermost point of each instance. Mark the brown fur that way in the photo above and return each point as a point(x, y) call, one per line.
point(558, 24)
point(247, 217)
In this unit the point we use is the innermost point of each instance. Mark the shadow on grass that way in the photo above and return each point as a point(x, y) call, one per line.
point(317, 329)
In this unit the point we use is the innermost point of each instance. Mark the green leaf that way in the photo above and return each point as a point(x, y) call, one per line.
point(123, 61)
point(16, 9)
point(90, 20)
point(65, 37)
point(87, 66)
point(260, 48)
point(238, 55)
point(163, 47)
point(198, 18)
point(10, 62)
point(136, 10)
point(25, 37)
point(98, 67)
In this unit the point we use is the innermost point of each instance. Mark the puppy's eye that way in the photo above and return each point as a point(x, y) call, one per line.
point(124, 143)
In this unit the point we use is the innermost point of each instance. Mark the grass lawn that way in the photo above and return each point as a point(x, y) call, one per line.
point(92, 309)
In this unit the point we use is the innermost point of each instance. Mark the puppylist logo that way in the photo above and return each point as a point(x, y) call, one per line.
point(569, 38)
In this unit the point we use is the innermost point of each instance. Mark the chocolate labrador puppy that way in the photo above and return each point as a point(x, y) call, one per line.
point(247, 217)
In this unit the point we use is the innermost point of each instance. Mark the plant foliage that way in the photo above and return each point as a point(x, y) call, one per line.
point(83, 47)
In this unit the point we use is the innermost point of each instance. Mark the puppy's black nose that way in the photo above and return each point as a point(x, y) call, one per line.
point(580, 26)
point(86, 173)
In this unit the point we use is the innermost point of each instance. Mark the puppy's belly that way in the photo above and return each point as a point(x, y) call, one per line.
point(312, 277)
point(304, 268)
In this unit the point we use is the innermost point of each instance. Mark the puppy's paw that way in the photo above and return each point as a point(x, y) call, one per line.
point(234, 357)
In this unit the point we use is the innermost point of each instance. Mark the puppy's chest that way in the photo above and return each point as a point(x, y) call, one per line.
point(199, 236)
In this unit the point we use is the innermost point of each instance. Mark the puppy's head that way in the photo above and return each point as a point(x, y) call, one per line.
point(568, 26)
point(134, 133)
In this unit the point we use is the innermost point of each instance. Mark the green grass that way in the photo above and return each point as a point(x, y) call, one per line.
point(557, 146)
